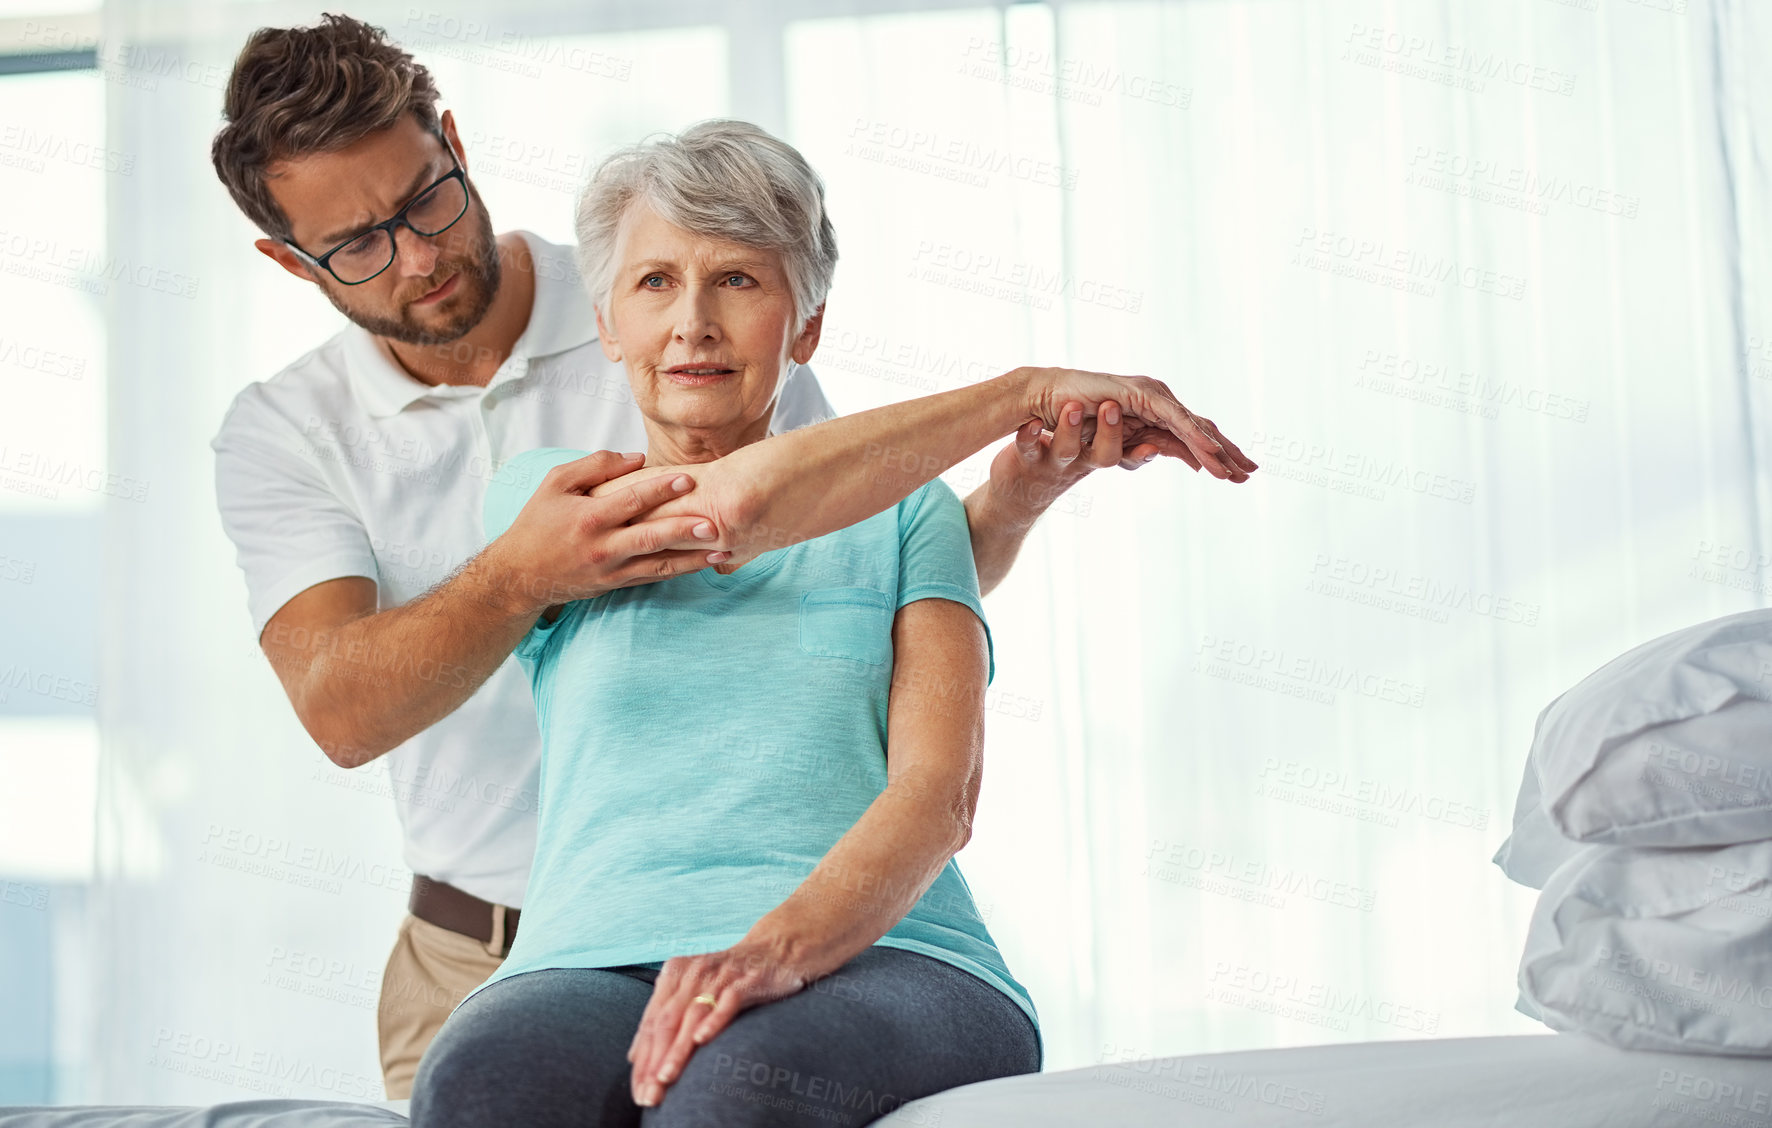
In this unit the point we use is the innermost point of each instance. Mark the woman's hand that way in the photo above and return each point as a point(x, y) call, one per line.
point(1149, 409)
point(674, 1024)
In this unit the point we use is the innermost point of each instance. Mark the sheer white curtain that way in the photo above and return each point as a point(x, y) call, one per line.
point(1482, 286)
point(1475, 285)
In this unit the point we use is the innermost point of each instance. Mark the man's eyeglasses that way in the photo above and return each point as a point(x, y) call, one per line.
point(431, 212)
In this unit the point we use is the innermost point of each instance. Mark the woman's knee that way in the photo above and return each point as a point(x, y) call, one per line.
point(543, 1048)
point(832, 1059)
point(460, 1073)
point(746, 1085)
point(891, 1027)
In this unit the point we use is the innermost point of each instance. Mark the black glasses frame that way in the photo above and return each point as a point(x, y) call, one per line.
point(467, 195)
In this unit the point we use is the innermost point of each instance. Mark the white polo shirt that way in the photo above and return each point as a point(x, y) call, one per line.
point(343, 464)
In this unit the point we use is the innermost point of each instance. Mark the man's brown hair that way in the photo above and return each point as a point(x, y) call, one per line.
point(301, 90)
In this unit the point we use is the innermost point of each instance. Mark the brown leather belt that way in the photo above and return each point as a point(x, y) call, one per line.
point(446, 906)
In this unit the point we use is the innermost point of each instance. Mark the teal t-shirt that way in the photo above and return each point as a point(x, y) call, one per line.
point(707, 739)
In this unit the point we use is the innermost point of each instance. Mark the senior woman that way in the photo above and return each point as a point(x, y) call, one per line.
point(744, 907)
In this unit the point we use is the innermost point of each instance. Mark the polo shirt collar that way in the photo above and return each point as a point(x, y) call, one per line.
point(560, 319)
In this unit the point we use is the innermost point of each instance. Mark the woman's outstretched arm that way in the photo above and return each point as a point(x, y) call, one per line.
point(818, 479)
point(874, 874)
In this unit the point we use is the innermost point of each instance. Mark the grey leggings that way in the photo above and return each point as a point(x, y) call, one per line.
point(550, 1048)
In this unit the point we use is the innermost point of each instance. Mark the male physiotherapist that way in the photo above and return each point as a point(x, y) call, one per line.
point(351, 481)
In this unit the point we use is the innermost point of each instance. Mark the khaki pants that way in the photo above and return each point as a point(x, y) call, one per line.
point(430, 970)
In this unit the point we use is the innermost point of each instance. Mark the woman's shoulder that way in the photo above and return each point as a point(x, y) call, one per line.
point(890, 524)
point(931, 514)
point(934, 494)
point(529, 466)
point(934, 500)
point(875, 541)
point(510, 486)
point(930, 507)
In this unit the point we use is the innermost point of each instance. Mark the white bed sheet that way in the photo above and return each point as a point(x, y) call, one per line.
point(232, 1114)
point(1522, 1081)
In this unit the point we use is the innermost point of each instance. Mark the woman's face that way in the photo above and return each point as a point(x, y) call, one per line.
point(705, 328)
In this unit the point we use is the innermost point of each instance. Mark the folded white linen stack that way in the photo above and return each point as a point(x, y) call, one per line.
point(1645, 816)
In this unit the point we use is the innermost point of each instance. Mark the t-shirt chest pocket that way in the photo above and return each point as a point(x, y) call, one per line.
point(853, 623)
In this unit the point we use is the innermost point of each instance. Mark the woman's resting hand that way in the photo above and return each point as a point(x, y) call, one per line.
point(674, 1024)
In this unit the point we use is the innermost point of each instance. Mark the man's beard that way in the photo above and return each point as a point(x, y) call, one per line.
point(478, 285)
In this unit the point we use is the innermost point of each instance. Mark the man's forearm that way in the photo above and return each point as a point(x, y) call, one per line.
point(376, 681)
point(997, 537)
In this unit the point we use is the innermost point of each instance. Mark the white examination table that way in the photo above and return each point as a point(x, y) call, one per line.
point(1524, 1081)
point(1519, 1081)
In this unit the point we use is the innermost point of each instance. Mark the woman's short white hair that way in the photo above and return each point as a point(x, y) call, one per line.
point(721, 179)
